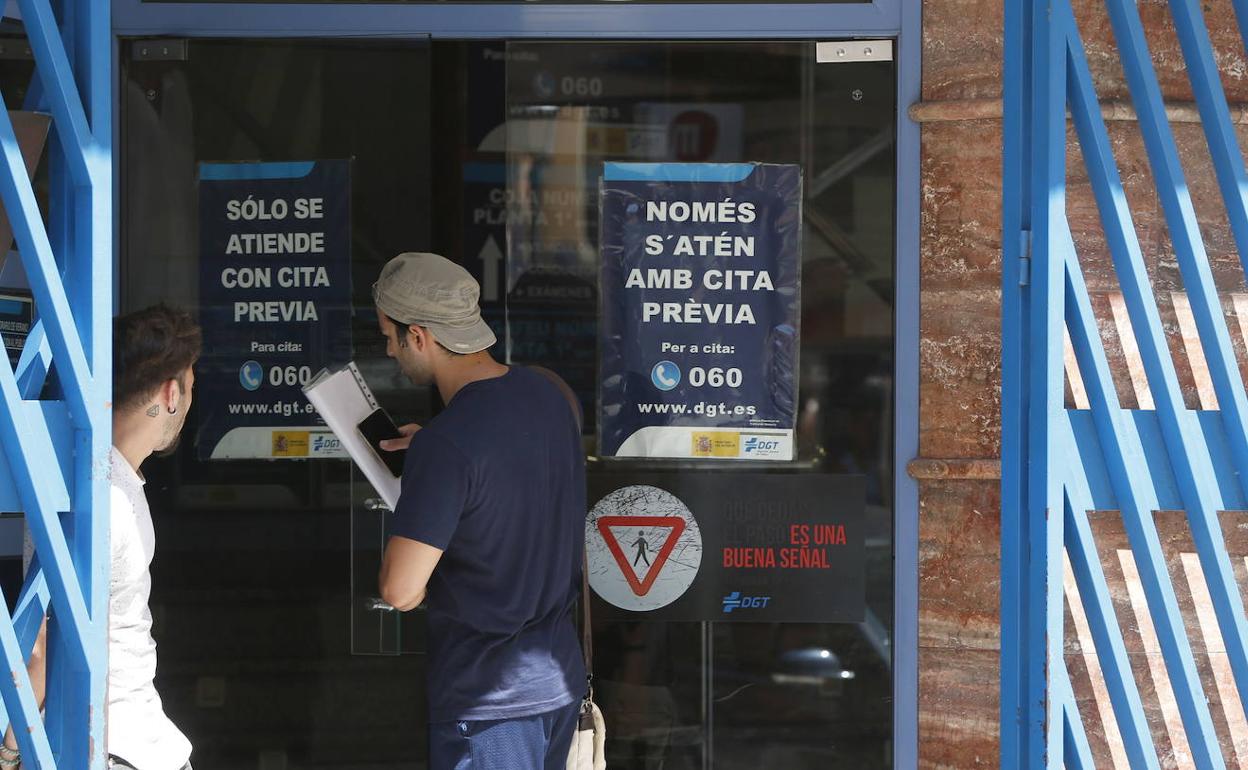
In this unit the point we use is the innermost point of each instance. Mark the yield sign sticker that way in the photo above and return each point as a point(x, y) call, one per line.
point(643, 546)
point(612, 526)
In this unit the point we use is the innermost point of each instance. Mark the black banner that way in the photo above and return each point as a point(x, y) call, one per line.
point(751, 547)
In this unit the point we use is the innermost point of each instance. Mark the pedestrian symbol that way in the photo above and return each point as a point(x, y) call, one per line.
point(642, 547)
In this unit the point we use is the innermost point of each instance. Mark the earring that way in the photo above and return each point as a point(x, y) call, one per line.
point(173, 410)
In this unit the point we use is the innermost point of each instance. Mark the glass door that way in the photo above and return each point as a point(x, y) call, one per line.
point(688, 688)
point(264, 183)
point(274, 650)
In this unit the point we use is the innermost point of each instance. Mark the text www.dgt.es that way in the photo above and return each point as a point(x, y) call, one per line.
point(278, 408)
point(701, 409)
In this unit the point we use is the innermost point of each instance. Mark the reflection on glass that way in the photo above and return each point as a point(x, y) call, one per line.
point(730, 695)
point(262, 577)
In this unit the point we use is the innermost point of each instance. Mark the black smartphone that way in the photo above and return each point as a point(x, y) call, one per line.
point(378, 427)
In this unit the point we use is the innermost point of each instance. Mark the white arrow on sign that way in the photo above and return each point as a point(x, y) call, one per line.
point(491, 257)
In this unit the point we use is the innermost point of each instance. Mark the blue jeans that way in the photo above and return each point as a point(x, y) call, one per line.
point(539, 742)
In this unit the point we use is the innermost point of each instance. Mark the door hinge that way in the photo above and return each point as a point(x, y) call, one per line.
point(837, 51)
point(1024, 258)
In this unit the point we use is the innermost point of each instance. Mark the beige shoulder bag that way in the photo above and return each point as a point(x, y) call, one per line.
point(588, 750)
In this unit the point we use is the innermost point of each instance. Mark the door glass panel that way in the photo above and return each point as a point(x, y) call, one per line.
point(263, 580)
point(702, 694)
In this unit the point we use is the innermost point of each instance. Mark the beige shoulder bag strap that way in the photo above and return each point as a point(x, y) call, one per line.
point(588, 750)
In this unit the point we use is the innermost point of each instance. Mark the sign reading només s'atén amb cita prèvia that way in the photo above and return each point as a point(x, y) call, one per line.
point(700, 300)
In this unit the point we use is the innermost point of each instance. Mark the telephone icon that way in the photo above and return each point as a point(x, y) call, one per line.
point(665, 375)
point(251, 375)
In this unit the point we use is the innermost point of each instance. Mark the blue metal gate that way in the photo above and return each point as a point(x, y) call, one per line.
point(1065, 468)
point(54, 408)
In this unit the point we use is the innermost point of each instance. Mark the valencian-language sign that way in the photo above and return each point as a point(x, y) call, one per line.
point(275, 304)
point(700, 302)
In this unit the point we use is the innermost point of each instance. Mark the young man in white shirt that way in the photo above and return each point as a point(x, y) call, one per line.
point(154, 352)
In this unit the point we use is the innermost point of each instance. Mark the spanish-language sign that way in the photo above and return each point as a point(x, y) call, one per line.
point(700, 303)
point(750, 547)
point(275, 304)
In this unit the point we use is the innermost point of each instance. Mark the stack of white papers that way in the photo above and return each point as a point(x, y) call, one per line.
point(344, 400)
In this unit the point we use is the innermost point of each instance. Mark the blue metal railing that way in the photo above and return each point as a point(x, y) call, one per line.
point(1051, 455)
point(56, 449)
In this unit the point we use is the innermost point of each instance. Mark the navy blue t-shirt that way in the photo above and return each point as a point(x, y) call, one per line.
point(497, 481)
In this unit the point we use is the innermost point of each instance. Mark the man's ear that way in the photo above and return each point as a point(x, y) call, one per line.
point(170, 394)
point(419, 337)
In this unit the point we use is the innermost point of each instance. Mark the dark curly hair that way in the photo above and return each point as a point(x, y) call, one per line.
point(151, 347)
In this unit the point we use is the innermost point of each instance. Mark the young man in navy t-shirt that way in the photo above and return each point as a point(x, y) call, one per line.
point(489, 528)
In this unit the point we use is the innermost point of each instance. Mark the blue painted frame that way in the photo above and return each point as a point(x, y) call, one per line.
point(56, 448)
point(1016, 226)
point(898, 19)
point(881, 18)
point(1109, 458)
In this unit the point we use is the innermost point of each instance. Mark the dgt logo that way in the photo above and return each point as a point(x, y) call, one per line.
point(735, 601)
point(756, 445)
point(326, 444)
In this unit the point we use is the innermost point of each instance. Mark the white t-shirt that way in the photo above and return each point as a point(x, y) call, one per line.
point(138, 730)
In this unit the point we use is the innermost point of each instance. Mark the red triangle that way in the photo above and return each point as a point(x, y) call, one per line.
point(673, 523)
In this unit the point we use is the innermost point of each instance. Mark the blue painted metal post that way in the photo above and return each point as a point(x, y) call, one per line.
point(91, 257)
point(1016, 220)
point(1044, 519)
point(1032, 539)
point(57, 452)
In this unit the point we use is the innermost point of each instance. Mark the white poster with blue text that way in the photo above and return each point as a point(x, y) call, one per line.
point(700, 293)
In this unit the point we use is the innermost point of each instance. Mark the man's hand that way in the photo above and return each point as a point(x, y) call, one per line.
point(396, 444)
